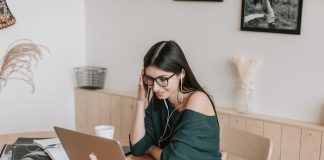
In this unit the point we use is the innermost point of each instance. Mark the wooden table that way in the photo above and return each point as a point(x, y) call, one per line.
point(145, 157)
point(10, 138)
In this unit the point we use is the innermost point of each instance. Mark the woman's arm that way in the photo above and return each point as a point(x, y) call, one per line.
point(145, 135)
point(142, 132)
point(138, 130)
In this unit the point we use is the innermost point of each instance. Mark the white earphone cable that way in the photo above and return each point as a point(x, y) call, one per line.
point(167, 124)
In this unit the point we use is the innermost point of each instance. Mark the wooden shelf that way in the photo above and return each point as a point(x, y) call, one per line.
point(293, 140)
point(273, 119)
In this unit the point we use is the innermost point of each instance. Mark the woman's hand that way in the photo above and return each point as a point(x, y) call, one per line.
point(142, 93)
point(155, 152)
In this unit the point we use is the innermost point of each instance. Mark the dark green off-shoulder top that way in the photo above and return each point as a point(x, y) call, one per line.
point(190, 135)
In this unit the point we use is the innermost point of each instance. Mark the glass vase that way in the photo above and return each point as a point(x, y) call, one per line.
point(246, 98)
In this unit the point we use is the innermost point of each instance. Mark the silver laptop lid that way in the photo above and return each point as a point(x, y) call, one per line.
point(81, 146)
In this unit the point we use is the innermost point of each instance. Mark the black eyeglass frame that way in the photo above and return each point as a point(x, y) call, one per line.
point(155, 80)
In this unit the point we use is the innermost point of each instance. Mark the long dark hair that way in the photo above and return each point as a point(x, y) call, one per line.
point(168, 56)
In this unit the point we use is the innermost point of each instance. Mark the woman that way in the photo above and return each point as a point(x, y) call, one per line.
point(180, 120)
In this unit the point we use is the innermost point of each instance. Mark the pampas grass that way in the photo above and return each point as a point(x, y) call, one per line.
point(17, 62)
point(246, 68)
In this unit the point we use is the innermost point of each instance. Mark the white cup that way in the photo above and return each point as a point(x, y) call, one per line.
point(105, 131)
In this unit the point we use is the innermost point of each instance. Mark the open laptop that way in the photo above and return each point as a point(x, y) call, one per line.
point(81, 146)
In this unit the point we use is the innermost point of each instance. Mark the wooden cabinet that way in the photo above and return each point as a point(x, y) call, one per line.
point(237, 122)
point(128, 110)
point(322, 147)
point(273, 131)
point(310, 145)
point(254, 126)
point(81, 107)
point(223, 119)
point(115, 114)
point(96, 107)
point(290, 143)
point(292, 140)
point(91, 110)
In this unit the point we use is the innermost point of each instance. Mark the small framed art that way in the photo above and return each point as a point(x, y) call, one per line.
point(202, 0)
point(278, 16)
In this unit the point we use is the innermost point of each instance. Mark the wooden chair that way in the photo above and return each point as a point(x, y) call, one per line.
point(12, 137)
point(245, 144)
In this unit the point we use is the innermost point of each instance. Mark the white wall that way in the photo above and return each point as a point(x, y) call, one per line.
point(289, 84)
point(59, 25)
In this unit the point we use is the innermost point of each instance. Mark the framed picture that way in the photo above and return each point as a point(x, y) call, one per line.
point(202, 0)
point(278, 16)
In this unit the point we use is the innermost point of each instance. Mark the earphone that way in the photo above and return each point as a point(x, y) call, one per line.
point(148, 93)
point(181, 81)
point(167, 124)
point(181, 89)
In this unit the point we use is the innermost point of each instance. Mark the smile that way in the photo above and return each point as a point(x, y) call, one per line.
point(159, 94)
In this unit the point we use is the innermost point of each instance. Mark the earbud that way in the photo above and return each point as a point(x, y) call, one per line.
point(148, 93)
point(182, 74)
point(181, 81)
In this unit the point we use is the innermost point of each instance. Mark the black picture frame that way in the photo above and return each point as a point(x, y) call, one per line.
point(202, 0)
point(285, 16)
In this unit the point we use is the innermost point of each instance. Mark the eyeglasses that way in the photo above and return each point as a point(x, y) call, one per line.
point(161, 81)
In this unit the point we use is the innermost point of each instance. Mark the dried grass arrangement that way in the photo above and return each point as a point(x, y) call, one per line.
point(17, 62)
point(246, 68)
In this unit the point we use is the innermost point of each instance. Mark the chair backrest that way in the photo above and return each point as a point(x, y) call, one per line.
point(12, 137)
point(245, 144)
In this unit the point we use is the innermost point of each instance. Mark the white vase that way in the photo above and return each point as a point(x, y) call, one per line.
point(246, 98)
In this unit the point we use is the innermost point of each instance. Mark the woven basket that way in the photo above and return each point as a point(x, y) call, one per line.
point(90, 77)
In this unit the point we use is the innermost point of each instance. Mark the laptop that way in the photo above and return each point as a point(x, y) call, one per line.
point(81, 146)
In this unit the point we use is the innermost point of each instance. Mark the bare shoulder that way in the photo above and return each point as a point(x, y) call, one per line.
point(199, 102)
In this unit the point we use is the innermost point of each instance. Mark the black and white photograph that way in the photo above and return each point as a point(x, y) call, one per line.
point(7, 152)
point(278, 16)
point(202, 0)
